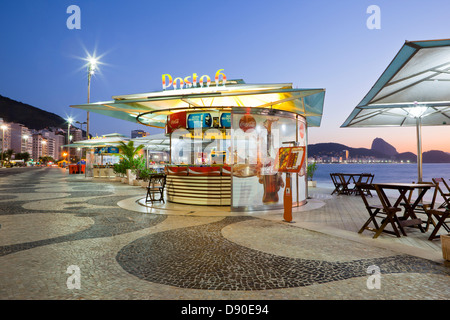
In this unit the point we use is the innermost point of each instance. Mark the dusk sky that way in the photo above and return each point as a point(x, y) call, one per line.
point(312, 44)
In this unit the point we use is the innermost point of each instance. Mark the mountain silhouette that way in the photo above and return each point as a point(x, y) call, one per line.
point(380, 150)
point(29, 116)
point(382, 146)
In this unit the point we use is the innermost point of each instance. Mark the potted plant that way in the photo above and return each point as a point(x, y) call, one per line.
point(445, 242)
point(310, 170)
point(144, 175)
point(120, 170)
point(129, 153)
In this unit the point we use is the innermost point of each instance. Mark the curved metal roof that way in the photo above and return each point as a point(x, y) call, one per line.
point(152, 108)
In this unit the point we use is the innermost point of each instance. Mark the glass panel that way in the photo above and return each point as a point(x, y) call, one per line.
point(255, 141)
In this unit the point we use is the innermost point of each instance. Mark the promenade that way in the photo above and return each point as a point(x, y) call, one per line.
point(56, 226)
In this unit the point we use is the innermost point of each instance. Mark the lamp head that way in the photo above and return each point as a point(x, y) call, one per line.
point(417, 111)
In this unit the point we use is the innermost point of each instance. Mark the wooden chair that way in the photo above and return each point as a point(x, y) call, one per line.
point(340, 184)
point(443, 217)
point(365, 179)
point(420, 208)
point(335, 178)
point(382, 211)
point(156, 185)
point(444, 191)
point(440, 214)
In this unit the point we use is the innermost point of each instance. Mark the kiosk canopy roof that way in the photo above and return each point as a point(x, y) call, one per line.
point(152, 108)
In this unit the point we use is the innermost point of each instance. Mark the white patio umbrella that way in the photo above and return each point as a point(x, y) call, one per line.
point(414, 90)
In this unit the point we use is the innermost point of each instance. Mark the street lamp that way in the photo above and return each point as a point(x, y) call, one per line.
point(69, 122)
point(81, 128)
point(4, 127)
point(25, 138)
point(81, 125)
point(91, 67)
point(44, 149)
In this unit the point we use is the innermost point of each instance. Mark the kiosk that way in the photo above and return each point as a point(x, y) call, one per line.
point(225, 137)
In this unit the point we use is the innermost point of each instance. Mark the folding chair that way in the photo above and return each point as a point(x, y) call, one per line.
point(422, 206)
point(337, 183)
point(156, 185)
point(340, 185)
point(445, 194)
point(440, 214)
point(382, 211)
point(365, 179)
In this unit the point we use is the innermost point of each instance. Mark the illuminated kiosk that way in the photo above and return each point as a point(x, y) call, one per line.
point(225, 137)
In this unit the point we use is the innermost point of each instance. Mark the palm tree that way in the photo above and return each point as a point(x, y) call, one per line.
point(129, 151)
point(9, 154)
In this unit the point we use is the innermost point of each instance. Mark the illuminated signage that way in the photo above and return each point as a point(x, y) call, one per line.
point(106, 150)
point(199, 120)
point(225, 120)
point(193, 81)
point(176, 121)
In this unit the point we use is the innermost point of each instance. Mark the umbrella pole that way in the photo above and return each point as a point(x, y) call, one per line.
point(419, 148)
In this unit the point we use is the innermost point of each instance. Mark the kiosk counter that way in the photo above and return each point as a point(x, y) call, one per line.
point(207, 185)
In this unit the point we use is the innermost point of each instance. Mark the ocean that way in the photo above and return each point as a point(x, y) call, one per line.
point(384, 172)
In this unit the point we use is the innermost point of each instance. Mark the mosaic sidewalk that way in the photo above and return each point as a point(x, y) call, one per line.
point(53, 224)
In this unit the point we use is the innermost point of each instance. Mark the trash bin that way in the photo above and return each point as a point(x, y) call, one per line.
point(73, 168)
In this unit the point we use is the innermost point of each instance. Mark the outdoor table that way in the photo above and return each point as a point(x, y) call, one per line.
point(346, 179)
point(351, 178)
point(409, 218)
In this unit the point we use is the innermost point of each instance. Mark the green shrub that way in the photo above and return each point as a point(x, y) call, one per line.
point(120, 168)
point(310, 170)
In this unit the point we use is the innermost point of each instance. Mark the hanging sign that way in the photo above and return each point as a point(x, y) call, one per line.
point(176, 121)
point(113, 150)
point(199, 120)
point(225, 120)
point(192, 81)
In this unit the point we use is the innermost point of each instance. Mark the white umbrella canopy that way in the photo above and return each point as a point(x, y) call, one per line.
point(414, 90)
point(156, 142)
point(111, 139)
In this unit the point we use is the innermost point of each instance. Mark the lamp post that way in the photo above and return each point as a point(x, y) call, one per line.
point(91, 67)
point(4, 127)
point(44, 148)
point(81, 125)
point(81, 128)
point(69, 122)
point(25, 139)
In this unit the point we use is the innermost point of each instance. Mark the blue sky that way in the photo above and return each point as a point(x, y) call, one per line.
point(313, 44)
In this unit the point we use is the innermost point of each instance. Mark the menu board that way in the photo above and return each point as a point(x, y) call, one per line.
point(106, 150)
point(291, 159)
